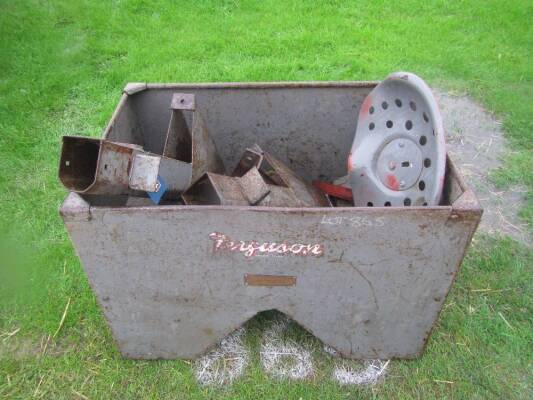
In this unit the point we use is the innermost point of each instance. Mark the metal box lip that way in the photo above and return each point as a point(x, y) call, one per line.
point(257, 85)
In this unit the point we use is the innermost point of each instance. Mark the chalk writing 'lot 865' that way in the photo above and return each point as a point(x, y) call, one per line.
point(355, 222)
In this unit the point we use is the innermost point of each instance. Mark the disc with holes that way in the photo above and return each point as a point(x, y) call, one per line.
point(398, 156)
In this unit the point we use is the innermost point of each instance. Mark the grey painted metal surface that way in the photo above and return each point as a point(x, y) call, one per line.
point(173, 280)
point(398, 156)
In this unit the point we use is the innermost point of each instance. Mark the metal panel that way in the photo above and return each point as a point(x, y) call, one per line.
point(370, 282)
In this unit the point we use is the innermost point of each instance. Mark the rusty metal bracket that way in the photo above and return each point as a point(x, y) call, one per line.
point(95, 166)
point(258, 179)
point(193, 146)
point(102, 167)
point(287, 188)
point(211, 188)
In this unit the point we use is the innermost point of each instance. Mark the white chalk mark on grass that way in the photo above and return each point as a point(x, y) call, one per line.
point(348, 372)
point(282, 358)
point(369, 374)
point(225, 363)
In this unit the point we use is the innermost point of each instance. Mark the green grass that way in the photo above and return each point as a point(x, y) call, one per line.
point(62, 67)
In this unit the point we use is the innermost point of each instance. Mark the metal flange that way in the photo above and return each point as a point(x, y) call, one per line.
point(398, 156)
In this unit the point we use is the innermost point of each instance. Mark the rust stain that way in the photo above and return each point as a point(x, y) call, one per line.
point(365, 106)
point(349, 166)
point(392, 182)
point(118, 148)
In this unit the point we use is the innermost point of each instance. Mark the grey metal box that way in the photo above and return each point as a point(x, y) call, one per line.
point(173, 280)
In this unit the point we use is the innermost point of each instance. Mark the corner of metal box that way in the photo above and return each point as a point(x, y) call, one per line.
point(75, 208)
point(467, 204)
point(134, 87)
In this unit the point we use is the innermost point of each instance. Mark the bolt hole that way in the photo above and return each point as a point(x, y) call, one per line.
point(408, 125)
point(398, 102)
point(421, 185)
point(406, 164)
point(426, 118)
point(407, 201)
point(370, 204)
point(371, 110)
point(385, 105)
point(423, 140)
point(105, 166)
point(412, 104)
point(387, 204)
point(425, 204)
point(371, 126)
point(389, 124)
point(182, 101)
point(427, 162)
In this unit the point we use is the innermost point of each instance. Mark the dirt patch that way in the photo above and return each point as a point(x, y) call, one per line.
point(475, 142)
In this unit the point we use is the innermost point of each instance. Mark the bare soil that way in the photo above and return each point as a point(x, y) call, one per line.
point(476, 143)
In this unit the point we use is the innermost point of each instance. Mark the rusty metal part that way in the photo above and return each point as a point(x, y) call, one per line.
point(100, 167)
point(338, 191)
point(290, 190)
point(193, 146)
point(94, 166)
point(370, 282)
point(148, 169)
point(398, 154)
point(258, 179)
point(279, 196)
point(217, 189)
